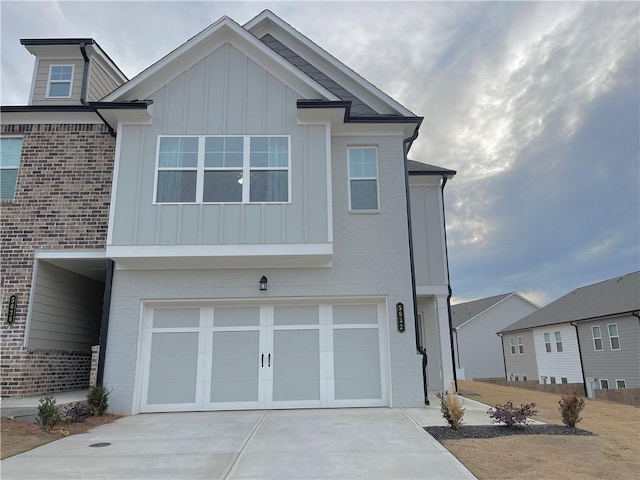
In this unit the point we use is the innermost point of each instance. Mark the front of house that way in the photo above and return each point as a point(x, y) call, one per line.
point(259, 242)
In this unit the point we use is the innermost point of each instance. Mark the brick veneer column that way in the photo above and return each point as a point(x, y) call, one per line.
point(61, 202)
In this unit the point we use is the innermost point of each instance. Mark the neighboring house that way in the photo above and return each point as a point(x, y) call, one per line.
point(590, 336)
point(259, 251)
point(475, 326)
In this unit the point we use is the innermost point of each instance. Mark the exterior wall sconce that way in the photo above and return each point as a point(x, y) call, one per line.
point(263, 284)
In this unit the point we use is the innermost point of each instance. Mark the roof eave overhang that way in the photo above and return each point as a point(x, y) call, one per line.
point(575, 320)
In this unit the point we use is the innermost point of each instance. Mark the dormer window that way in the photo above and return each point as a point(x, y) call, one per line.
point(60, 79)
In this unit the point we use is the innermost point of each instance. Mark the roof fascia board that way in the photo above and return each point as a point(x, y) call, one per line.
point(198, 47)
point(323, 60)
point(49, 117)
point(485, 311)
point(578, 320)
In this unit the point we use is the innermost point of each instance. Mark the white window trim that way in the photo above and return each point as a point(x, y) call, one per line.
point(593, 336)
point(547, 341)
point(615, 336)
point(49, 81)
point(621, 380)
point(520, 345)
point(376, 178)
point(13, 168)
point(512, 345)
point(200, 170)
point(555, 335)
point(604, 380)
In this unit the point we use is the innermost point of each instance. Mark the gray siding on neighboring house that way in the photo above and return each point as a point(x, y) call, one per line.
point(42, 79)
point(478, 346)
point(368, 260)
point(66, 309)
point(612, 364)
point(525, 364)
point(226, 93)
point(427, 224)
point(100, 82)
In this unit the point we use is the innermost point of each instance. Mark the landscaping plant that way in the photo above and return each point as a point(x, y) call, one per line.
point(48, 415)
point(98, 400)
point(571, 404)
point(451, 407)
point(74, 412)
point(510, 415)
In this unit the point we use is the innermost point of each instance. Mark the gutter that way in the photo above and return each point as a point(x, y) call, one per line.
point(584, 380)
point(446, 259)
point(83, 91)
point(406, 144)
point(104, 323)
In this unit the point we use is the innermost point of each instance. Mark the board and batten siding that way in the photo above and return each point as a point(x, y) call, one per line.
point(427, 225)
point(558, 364)
point(42, 79)
point(226, 93)
point(623, 364)
point(100, 82)
point(518, 364)
point(66, 310)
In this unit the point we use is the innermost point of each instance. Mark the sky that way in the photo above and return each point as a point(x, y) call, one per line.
point(536, 105)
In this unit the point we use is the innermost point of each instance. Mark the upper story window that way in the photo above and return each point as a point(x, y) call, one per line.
point(547, 342)
point(558, 342)
point(60, 81)
point(223, 169)
point(363, 179)
point(512, 345)
point(614, 339)
point(10, 151)
point(520, 345)
point(597, 337)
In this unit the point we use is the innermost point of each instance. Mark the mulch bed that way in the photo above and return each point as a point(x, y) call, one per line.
point(493, 431)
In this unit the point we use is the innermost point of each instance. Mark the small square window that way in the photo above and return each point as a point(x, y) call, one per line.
point(604, 384)
point(553, 380)
point(563, 380)
point(621, 383)
point(558, 342)
point(60, 81)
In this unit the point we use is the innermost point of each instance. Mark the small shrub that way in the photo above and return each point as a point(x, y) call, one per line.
point(510, 415)
point(571, 404)
point(74, 412)
point(48, 415)
point(98, 400)
point(451, 407)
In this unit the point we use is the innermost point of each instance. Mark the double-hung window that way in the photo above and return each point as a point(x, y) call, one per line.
point(621, 383)
point(363, 179)
point(520, 346)
point(596, 333)
point(512, 345)
point(547, 342)
point(604, 384)
point(614, 339)
point(10, 151)
point(223, 169)
point(60, 81)
point(558, 342)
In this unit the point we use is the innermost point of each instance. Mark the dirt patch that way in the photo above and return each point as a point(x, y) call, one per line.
point(20, 436)
point(613, 451)
point(493, 431)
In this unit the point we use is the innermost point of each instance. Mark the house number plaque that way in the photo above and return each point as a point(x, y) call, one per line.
point(400, 317)
point(11, 311)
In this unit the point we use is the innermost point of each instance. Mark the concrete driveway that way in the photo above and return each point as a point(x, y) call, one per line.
point(356, 443)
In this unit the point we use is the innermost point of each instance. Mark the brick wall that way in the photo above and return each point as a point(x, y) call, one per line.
point(61, 202)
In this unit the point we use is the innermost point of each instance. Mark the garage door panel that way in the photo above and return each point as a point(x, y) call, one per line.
point(174, 343)
point(355, 339)
point(296, 341)
point(296, 315)
point(234, 391)
point(176, 317)
point(364, 363)
point(296, 365)
point(236, 317)
point(236, 342)
point(357, 389)
point(173, 367)
point(292, 390)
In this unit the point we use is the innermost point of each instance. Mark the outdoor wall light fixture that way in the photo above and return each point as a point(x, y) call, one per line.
point(263, 284)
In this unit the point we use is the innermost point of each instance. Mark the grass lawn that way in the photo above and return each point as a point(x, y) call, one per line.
point(613, 451)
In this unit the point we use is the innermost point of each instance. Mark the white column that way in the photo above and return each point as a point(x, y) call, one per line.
point(445, 341)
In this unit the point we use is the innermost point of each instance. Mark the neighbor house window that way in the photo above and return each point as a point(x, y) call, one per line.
point(564, 380)
point(524, 378)
point(558, 342)
point(223, 169)
point(60, 81)
point(621, 383)
point(363, 178)
point(520, 346)
point(614, 339)
point(597, 337)
point(604, 384)
point(512, 345)
point(10, 151)
point(547, 342)
point(553, 380)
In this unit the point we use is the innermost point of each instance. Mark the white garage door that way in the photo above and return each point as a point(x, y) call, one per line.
point(220, 357)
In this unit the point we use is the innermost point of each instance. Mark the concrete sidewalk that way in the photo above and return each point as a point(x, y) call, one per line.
point(355, 443)
point(28, 406)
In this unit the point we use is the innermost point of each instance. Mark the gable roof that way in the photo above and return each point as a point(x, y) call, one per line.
point(198, 47)
point(463, 312)
point(616, 296)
